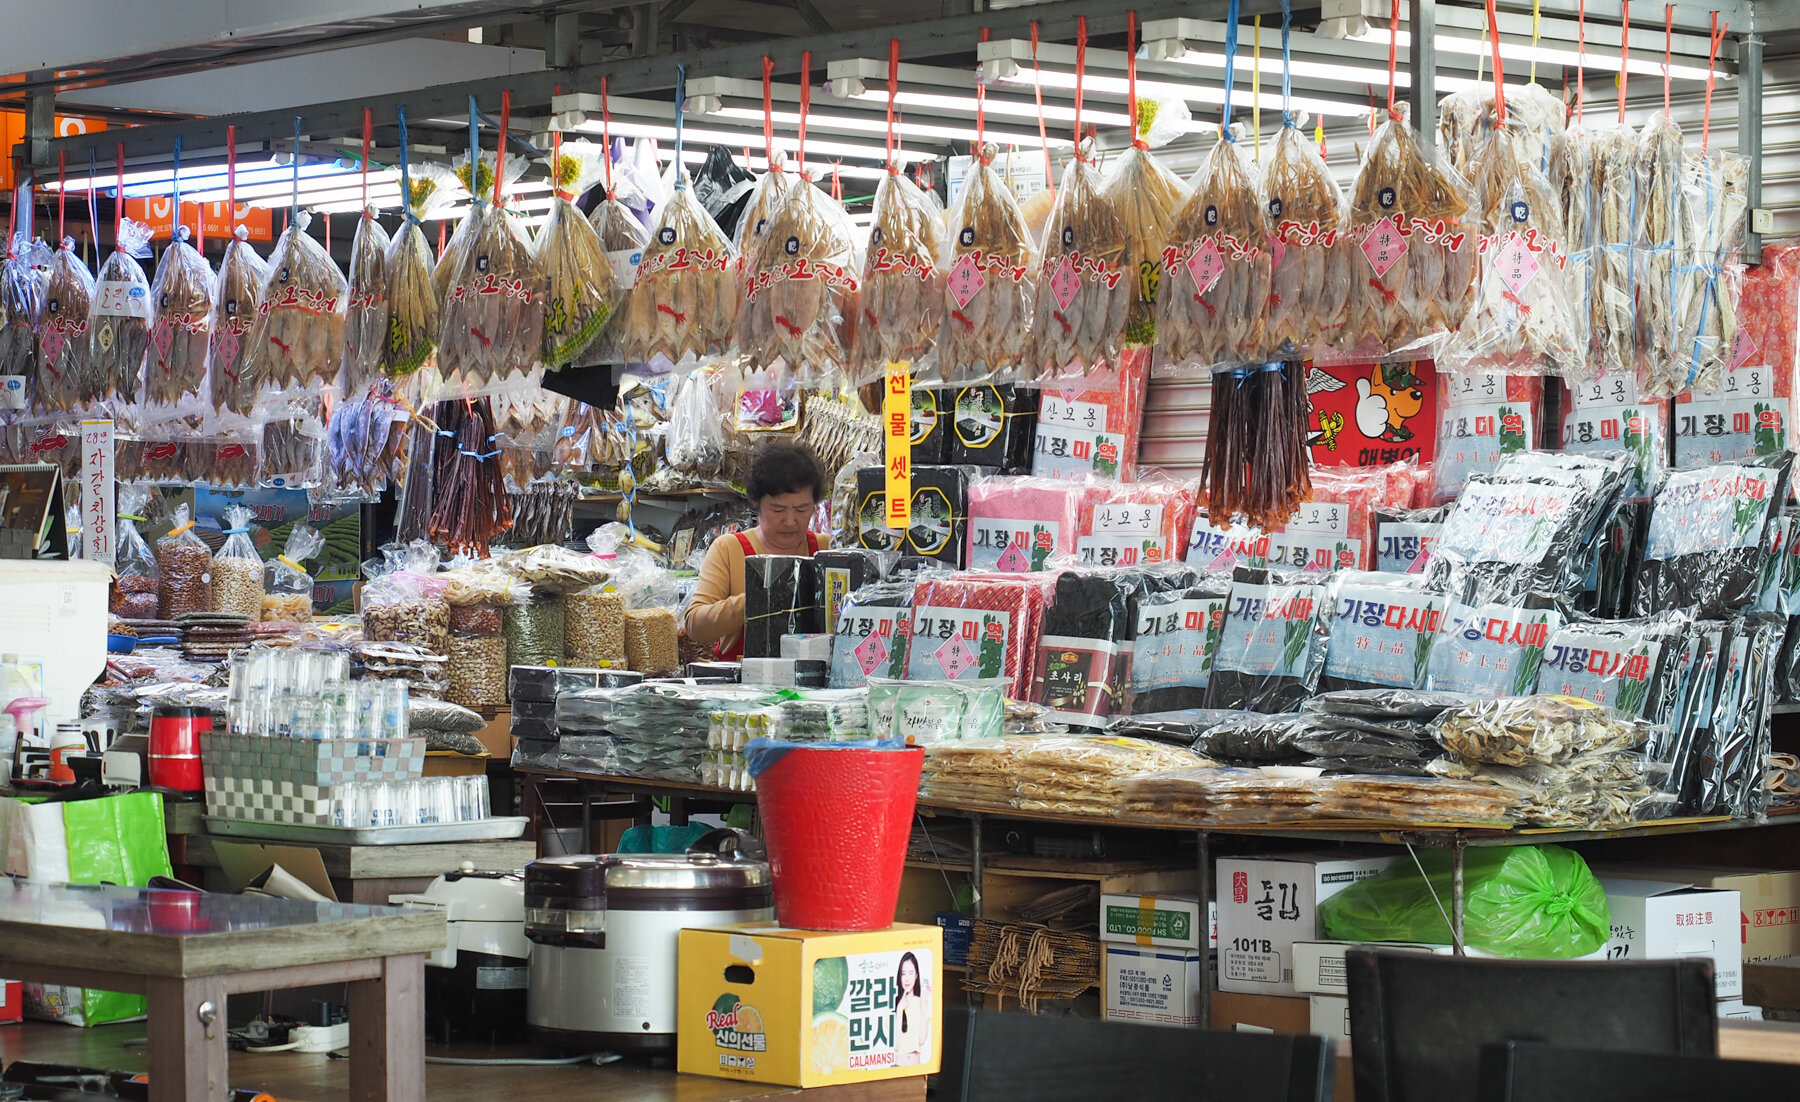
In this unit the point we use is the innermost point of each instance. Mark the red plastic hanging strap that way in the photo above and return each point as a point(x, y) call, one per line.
point(805, 103)
point(1080, 73)
point(1712, 58)
point(230, 176)
point(606, 135)
point(119, 199)
point(1580, 55)
point(981, 114)
point(1393, 55)
point(1037, 90)
point(1624, 53)
point(1499, 74)
point(1668, 49)
point(368, 136)
point(893, 138)
point(769, 113)
point(442, 226)
point(505, 131)
point(837, 180)
point(327, 217)
point(1131, 27)
point(62, 198)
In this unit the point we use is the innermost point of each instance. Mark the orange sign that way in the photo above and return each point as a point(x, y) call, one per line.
point(12, 132)
point(156, 212)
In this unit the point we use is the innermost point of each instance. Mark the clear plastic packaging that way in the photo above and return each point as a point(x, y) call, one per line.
point(119, 319)
point(967, 626)
point(1218, 270)
point(242, 274)
point(183, 570)
point(298, 338)
point(1381, 630)
point(1273, 647)
point(901, 308)
point(1018, 525)
point(491, 324)
point(1704, 547)
point(583, 289)
point(1085, 649)
point(1612, 311)
point(1623, 664)
point(686, 297)
point(288, 596)
point(64, 379)
point(697, 441)
point(988, 293)
point(23, 281)
point(1481, 417)
point(1492, 648)
point(1311, 259)
point(237, 570)
point(800, 292)
point(1709, 284)
point(1140, 523)
point(181, 299)
point(872, 634)
point(134, 588)
point(1084, 288)
point(1662, 245)
point(766, 198)
point(1522, 730)
point(366, 310)
point(1180, 622)
point(594, 628)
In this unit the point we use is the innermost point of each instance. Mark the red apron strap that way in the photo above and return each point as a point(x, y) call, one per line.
point(812, 542)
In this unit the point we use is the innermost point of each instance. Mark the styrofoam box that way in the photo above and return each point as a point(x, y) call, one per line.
point(1267, 904)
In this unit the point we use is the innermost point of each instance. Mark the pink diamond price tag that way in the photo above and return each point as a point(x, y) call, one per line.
point(965, 281)
point(1014, 560)
point(1224, 561)
point(1516, 265)
point(870, 653)
point(1206, 266)
point(1384, 246)
point(1418, 564)
point(955, 658)
point(1065, 283)
point(1743, 346)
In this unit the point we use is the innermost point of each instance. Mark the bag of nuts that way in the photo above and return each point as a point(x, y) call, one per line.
point(404, 600)
point(183, 570)
point(288, 596)
point(134, 589)
point(237, 570)
point(594, 628)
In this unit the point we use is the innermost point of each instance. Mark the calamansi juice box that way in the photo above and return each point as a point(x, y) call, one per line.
point(805, 1008)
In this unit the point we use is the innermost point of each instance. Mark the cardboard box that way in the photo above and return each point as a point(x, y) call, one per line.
point(1768, 901)
point(1260, 1013)
point(1166, 921)
point(1329, 1015)
point(1267, 904)
point(1319, 965)
point(959, 930)
point(1654, 920)
point(1153, 986)
point(804, 1008)
point(1737, 1011)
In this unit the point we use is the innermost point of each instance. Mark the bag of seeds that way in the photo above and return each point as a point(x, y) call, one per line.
point(594, 628)
point(237, 570)
point(134, 583)
point(287, 587)
point(1273, 647)
point(404, 600)
point(183, 570)
point(1704, 547)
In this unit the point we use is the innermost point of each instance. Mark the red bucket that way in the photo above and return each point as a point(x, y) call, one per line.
point(836, 823)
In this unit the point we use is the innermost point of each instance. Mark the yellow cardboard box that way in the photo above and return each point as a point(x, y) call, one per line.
point(804, 1008)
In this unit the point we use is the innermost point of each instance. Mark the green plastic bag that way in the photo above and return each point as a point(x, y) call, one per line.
point(1539, 902)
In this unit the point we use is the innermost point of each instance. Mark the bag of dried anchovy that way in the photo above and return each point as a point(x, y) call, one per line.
point(1381, 630)
point(1273, 647)
point(1704, 547)
point(1492, 648)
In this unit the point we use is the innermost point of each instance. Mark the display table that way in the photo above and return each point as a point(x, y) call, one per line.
point(1773, 984)
point(186, 953)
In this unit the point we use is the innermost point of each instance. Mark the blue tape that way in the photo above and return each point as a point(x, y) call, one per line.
point(1231, 45)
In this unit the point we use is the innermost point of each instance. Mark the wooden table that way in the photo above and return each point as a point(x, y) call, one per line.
point(186, 953)
point(1773, 984)
point(369, 874)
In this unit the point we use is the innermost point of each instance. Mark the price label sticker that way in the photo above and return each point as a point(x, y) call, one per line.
point(1065, 283)
point(871, 653)
point(1517, 265)
point(1206, 266)
point(1014, 560)
point(955, 657)
point(1743, 347)
point(1384, 246)
point(965, 281)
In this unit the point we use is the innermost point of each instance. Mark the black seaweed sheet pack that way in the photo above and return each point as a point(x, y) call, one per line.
point(1624, 664)
point(1273, 647)
point(778, 600)
point(1084, 653)
point(930, 424)
point(992, 426)
point(872, 531)
point(940, 514)
point(837, 573)
point(1404, 537)
point(1181, 618)
point(1705, 545)
point(1381, 630)
point(1730, 761)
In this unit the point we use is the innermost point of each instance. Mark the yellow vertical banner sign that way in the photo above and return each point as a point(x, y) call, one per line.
point(896, 417)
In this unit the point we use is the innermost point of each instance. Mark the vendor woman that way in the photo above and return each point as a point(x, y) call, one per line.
point(786, 486)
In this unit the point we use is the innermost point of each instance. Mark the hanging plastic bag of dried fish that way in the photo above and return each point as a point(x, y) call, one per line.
point(476, 190)
point(236, 306)
point(686, 298)
point(1469, 118)
point(1212, 313)
point(412, 295)
point(1662, 246)
point(1149, 200)
point(23, 280)
point(1416, 277)
point(902, 301)
point(1570, 171)
point(1085, 289)
point(768, 196)
point(62, 382)
point(1310, 258)
point(181, 327)
point(1613, 204)
point(366, 310)
point(298, 338)
point(696, 435)
point(1708, 281)
point(988, 295)
point(1522, 323)
point(583, 290)
point(623, 237)
point(119, 319)
point(492, 327)
point(799, 294)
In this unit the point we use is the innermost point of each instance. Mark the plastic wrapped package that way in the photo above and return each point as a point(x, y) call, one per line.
point(477, 670)
point(134, 587)
point(1150, 200)
point(651, 641)
point(1481, 418)
point(968, 626)
point(1084, 287)
point(936, 713)
point(1333, 531)
point(1623, 664)
point(1258, 466)
point(183, 570)
point(1181, 620)
point(1606, 414)
point(1707, 527)
point(1387, 704)
point(696, 442)
point(298, 338)
point(491, 323)
point(1707, 282)
point(992, 426)
point(1311, 260)
point(1404, 538)
point(1570, 169)
point(1599, 791)
point(1084, 654)
point(1216, 547)
point(1141, 523)
point(1537, 902)
point(939, 528)
point(1615, 201)
point(989, 296)
point(1749, 410)
point(534, 629)
point(799, 296)
point(181, 300)
point(581, 288)
point(901, 308)
point(1255, 738)
point(366, 307)
point(778, 600)
point(288, 588)
point(1732, 759)
point(623, 237)
point(1094, 431)
point(119, 317)
point(1466, 119)
point(1661, 245)
point(1218, 270)
point(686, 297)
point(1084, 776)
point(722, 187)
point(237, 570)
point(64, 374)
point(1273, 647)
point(22, 286)
point(1676, 746)
point(1492, 648)
point(403, 601)
point(236, 306)
point(1381, 630)
point(767, 196)
point(871, 634)
point(1548, 730)
point(1017, 525)
point(837, 573)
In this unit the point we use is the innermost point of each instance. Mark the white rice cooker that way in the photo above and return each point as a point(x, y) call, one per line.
point(475, 985)
point(604, 933)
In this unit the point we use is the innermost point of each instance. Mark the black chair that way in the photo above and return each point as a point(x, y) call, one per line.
point(1419, 1021)
point(1525, 1071)
point(1024, 1058)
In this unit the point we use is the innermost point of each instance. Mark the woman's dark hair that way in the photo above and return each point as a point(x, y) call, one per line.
point(783, 468)
point(918, 987)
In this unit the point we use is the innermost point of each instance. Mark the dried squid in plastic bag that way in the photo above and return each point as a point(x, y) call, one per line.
point(902, 302)
point(768, 196)
point(799, 296)
point(1148, 198)
point(63, 371)
point(119, 318)
point(181, 298)
point(1708, 284)
point(492, 321)
point(1571, 180)
point(22, 286)
point(582, 290)
point(236, 306)
point(299, 333)
point(413, 320)
point(366, 310)
point(1661, 244)
point(686, 298)
point(988, 260)
point(1310, 260)
point(1085, 291)
point(1213, 310)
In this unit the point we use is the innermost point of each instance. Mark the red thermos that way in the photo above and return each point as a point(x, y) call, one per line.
point(175, 732)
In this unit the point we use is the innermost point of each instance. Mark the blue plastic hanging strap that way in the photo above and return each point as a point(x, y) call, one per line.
point(1231, 39)
point(296, 162)
point(680, 109)
point(405, 176)
point(1287, 62)
point(474, 152)
point(175, 177)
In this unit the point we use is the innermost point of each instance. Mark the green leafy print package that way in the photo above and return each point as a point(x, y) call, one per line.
point(1381, 630)
point(1707, 526)
point(1492, 648)
point(1272, 649)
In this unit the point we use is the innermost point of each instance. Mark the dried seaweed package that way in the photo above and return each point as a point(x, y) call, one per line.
point(976, 626)
point(988, 293)
point(1084, 287)
point(1662, 244)
point(1149, 199)
point(1272, 650)
point(1084, 654)
point(298, 338)
point(1492, 648)
point(583, 289)
point(686, 298)
point(63, 371)
point(1704, 547)
point(1135, 524)
point(940, 514)
point(901, 308)
point(1731, 758)
point(366, 310)
point(182, 300)
point(992, 427)
point(236, 307)
point(837, 573)
point(1404, 538)
point(1381, 631)
point(492, 321)
point(1606, 414)
point(799, 295)
point(119, 318)
point(1309, 280)
point(1522, 322)
point(22, 286)
point(1218, 269)
point(872, 529)
point(1624, 664)
point(1481, 419)
point(1181, 621)
point(871, 633)
point(413, 319)
point(778, 600)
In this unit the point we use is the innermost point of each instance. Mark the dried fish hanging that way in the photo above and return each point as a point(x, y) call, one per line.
point(182, 300)
point(622, 236)
point(1148, 198)
point(298, 338)
point(769, 194)
point(119, 318)
point(62, 334)
point(413, 315)
point(236, 306)
point(1663, 246)
point(22, 287)
point(582, 288)
point(902, 301)
point(1084, 289)
point(362, 443)
point(471, 506)
point(1214, 312)
point(1708, 282)
point(1612, 312)
point(366, 310)
point(1256, 456)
